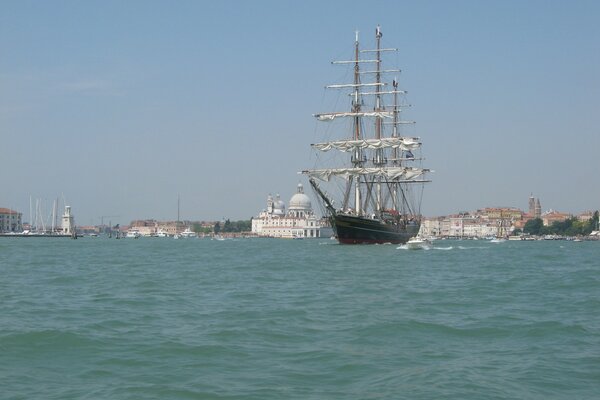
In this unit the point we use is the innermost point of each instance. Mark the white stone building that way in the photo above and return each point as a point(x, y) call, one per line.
point(298, 222)
point(466, 226)
point(10, 221)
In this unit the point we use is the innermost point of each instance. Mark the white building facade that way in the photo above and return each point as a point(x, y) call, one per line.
point(10, 221)
point(467, 226)
point(298, 222)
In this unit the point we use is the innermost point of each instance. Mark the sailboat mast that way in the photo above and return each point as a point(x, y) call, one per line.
point(356, 106)
point(395, 152)
point(378, 86)
point(379, 159)
point(53, 215)
point(31, 223)
point(177, 223)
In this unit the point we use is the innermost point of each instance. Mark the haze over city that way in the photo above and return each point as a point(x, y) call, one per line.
point(121, 107)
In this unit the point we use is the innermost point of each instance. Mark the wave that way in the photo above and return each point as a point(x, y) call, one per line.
point(54, 340)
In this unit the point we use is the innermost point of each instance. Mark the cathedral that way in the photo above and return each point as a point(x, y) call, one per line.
point(297, 223)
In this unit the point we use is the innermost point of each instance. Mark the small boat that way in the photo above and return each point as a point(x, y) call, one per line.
point(418, 243)
point(133, 233)
point(188, 233)
point(161, 233)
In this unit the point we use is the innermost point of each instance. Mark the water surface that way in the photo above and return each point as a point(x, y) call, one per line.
point(155, 318)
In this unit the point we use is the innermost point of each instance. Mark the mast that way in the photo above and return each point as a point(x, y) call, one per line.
point(379, 159)
point(356, 106)
point(53, 216)
point(395, 161)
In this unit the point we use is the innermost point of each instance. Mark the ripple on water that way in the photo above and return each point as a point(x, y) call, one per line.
point(269, 319)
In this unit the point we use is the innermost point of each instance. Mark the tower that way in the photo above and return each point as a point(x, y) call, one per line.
point(538, 209)
point(531, 205)
point(68, 223)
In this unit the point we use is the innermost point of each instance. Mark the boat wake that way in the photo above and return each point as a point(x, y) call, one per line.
point(406, 247)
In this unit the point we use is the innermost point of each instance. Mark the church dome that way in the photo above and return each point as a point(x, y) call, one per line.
point(278, 206)
point(300, 201)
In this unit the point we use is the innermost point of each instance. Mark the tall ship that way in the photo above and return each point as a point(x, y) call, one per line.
point(368, 174)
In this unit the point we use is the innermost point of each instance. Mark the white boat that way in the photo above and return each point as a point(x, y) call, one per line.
point(498, 240)
point(161, 233)
point(418, 243)
point(188, 233)
point(133, 233)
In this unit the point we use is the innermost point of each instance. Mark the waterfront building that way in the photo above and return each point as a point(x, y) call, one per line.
point(432, 227)
point(298, 222)
point(480, 224)
point(151, 227)
point(551, 216)
point(467, 225)
point(506, 213)
point(10, 220)
point(145, 227)
point(585, 216)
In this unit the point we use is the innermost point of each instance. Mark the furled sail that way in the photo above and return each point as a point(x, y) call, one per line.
point(402, 143)
point(404, 173)
point(332, 116)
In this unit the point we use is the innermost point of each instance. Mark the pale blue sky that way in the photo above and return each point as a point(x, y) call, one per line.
point(123, 105)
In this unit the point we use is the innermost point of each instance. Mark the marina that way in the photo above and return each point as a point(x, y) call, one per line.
point(67, 228)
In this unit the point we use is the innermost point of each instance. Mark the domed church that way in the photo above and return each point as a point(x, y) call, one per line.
point(299, 221)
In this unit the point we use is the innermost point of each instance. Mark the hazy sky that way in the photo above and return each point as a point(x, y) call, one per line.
point(121, 106)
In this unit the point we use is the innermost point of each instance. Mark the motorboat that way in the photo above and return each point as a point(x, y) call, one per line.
point(418, 243)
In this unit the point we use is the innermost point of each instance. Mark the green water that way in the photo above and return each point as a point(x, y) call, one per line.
point(158, 318)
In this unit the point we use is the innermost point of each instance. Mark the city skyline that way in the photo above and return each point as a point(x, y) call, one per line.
point(111, 220)
point(123, 107)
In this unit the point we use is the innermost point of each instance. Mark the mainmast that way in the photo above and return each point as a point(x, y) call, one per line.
point(395, 152)
point(379, 158)
point(357, 159)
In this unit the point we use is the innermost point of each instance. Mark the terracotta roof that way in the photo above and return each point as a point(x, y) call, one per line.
point(8, 211)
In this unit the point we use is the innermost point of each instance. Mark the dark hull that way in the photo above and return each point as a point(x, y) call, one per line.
point(358, 230)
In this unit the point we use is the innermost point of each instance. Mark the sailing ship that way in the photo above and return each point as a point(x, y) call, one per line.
point(376, 176)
